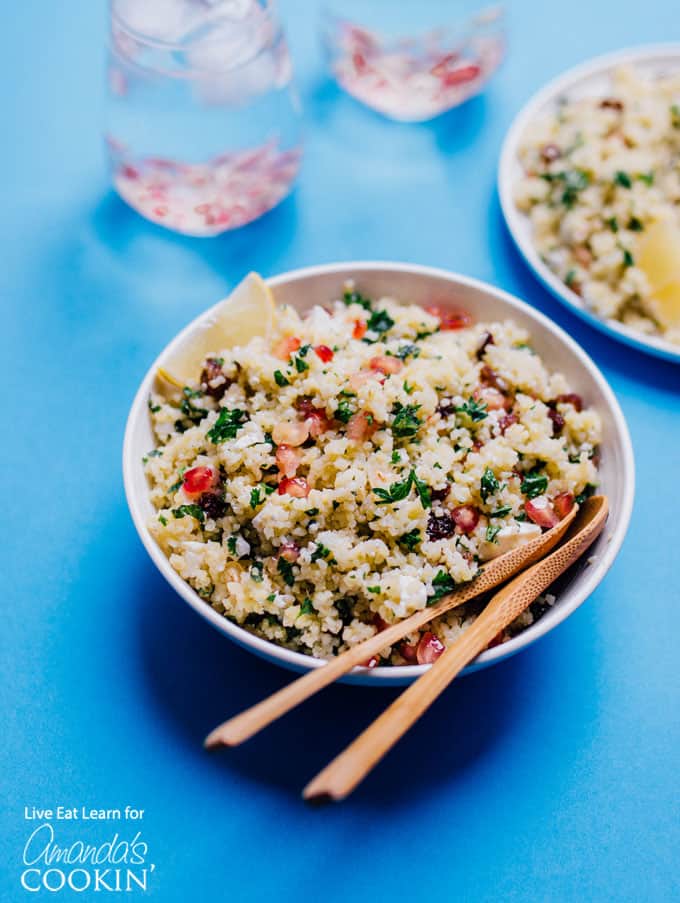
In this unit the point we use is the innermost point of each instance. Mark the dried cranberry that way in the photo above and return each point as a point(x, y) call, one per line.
point(446, 407)
point(550, 152)
point(487, 339)
point(489, 377)
point(440, 527)
point(611, 103)
point(213, 504)
point(557, 421)
point(570, 398)
point(507, 421)
point(438, 495)
point(211, 371)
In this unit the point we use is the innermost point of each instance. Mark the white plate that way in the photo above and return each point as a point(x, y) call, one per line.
point(587, 80)
point(421, 285)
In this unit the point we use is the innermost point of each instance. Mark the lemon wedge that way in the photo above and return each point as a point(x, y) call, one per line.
point(658, 256)
point(247, 312)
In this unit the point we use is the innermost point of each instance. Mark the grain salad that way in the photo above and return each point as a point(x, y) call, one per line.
point(601, 188)
point(357, 464)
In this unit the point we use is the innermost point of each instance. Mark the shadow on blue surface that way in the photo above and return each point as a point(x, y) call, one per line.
point(196, 678)
point(232, 254)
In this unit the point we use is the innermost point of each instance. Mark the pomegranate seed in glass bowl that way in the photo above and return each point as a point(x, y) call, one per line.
point(443, 53)
point(203, 122)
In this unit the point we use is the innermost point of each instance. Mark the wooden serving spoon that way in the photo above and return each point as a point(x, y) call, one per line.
point(343, 774)
point(243, 726)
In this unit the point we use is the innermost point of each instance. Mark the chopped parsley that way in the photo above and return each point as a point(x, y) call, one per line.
point(255, 497)
point(407, 351)
point(280, 379)
point(188, 408)
point(307, 608)
point(321, 551)
point(312, 512)
point(373, 589)
point(256, 571)
point(411, 539)
point(354, 297)
point(231, 544)
point(227, 425)
point(189, 511)
point(163, 520)
point(635, 224)
point(344, 411)
point(534, 484)
point(613, 224)
point(628, 259)
point(501, 512)
point(379, 321)
point(408, 388)
point(405, 424)
point(587, 492)
point(475, 410)
point(492, 532)
point(675, 116)
point(285, 568)
point(396, 457)
point(622, 178)
point(154, 408)
point(647, 178)
point(488, 484)
point(300, 364)
point(400, 490)
point(443, 584)
point(570, 278)
point(573, 180)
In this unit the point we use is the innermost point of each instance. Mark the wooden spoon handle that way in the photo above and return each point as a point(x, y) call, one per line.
point(244, 725)
point(348, 769)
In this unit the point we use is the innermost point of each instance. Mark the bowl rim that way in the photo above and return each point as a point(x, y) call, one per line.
point(516, 221)
point(398, 674)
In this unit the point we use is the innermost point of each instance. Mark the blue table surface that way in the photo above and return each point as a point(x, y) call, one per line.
point(553, 776)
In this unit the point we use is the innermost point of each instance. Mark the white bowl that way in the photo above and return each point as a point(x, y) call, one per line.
point(590, 79)
point(422, 285)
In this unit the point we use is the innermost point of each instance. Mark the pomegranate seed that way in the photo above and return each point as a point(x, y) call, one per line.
point(298, 487)
point(361, 426)
point(429, 649)
point(359, 61)
point(357, 380)
point(385, 364)
point(288, 460)
point(199, 480)
point(318, 423)
point(359, 330)
point(465, 517)
point(507, 421)
point(324, 353)
point(494, 400)
point(541, 512)
point(461, 76)
point(557, 421)
point(290, 551)
point(372, 662)
point(408, 651)
point(563, 503)
point(286, 347)
point(292, 433)
point(450, 319)
point(571, 398)
point(380, 623)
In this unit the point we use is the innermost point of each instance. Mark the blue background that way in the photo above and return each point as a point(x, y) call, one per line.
point(551, 777)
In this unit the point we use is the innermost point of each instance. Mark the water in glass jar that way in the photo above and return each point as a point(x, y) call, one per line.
point(203, 123)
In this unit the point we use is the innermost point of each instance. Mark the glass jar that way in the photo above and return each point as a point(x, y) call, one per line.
point(203, 126)
point(413, 62)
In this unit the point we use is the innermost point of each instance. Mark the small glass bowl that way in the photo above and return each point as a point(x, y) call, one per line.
point(417, 76)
